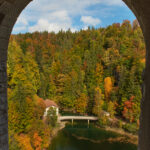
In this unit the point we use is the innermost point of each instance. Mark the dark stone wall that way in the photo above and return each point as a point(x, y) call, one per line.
point(141, 9)
point(9, 12)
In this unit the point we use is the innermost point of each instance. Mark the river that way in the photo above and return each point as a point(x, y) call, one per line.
point(84, 138)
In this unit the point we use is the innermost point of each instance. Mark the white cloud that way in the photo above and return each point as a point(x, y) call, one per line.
point(22, 21)
point(19, 29)
point(89, 20)
point(73, 6)
point(21, 24)
point(114, 2)
point(54, 21)
point(45, 25)
point(54, 14)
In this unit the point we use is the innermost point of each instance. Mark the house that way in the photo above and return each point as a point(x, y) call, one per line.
point(49, 104)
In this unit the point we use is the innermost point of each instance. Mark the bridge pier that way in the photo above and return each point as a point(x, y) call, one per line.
point(72, 122)
point(88, 123)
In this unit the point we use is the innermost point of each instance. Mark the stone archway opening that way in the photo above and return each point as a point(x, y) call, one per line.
point(9, 12)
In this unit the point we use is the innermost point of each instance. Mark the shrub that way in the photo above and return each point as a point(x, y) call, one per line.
point(111, 109)
point(52, 117)
point(103, 121)
point(131, 128)
point(120, 125)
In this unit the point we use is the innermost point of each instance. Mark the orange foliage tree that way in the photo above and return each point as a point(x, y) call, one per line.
point(39, 107)
point(128, 110)
point(37, 141)
point(24, 142)
point(108, 87)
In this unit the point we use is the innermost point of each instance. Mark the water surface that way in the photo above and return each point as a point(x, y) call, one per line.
point(70, 139)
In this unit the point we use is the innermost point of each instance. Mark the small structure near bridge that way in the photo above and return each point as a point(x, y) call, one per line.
point(50, 104)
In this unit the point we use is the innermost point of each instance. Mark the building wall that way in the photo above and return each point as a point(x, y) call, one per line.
point(46, 111)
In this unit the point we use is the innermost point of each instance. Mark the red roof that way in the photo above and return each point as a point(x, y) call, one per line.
point(50, 103)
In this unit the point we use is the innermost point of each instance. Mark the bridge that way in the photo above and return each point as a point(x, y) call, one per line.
point(72, 118)
point(92, 118)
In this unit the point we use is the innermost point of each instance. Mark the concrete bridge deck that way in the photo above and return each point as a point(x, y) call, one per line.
point(90, 118)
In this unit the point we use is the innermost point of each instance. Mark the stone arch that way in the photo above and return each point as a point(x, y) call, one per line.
point(141, 9)
point(9, 12)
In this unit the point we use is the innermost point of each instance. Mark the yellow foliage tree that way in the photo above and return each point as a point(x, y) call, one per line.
point(24, 142)
point(111, 109)
point(99, 74)
point(81, 103)
point(98, 102)
point(108, 87)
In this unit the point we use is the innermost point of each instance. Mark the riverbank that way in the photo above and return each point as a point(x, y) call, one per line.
point(59, 127)
point(123, 137)
point(120, 135)
point(128, 131)
point(130, 138)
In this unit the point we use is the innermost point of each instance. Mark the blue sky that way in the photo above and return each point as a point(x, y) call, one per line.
point(54, 15)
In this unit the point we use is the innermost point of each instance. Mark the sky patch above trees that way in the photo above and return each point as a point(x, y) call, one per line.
point(54, 15)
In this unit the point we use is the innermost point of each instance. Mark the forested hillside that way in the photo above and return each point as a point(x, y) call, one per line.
point(84, 72)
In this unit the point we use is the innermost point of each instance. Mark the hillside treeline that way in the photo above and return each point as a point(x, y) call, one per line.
point(86, 72)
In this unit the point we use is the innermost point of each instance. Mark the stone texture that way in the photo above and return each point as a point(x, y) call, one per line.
point(10, 10)
point(142, 12)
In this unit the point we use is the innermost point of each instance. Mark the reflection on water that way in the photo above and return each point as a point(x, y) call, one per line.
point(84, 138)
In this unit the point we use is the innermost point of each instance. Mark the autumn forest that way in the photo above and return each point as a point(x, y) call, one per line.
point(86, 72)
